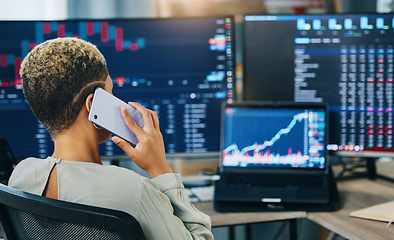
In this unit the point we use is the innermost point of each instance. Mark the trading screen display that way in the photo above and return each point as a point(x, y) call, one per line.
point(343, 60)
point(264, 137)
point(180, 68)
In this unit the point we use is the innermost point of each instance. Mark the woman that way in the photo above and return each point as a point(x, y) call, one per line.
point(59, 77)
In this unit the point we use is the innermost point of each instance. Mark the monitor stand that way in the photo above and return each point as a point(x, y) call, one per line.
point(370, 158)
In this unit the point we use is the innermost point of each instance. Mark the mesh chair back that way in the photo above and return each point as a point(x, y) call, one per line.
point(28, 216)
point(35, 227)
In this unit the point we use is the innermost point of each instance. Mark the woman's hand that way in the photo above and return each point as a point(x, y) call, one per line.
point(149, 153)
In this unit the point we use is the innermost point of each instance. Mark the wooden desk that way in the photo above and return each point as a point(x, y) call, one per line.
point(246, 218)
point(228, 219)
point(354, 195)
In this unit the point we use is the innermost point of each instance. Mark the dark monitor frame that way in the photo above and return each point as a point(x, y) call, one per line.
point(8, 161)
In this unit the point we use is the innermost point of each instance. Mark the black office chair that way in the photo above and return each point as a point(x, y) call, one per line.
point(28, 216)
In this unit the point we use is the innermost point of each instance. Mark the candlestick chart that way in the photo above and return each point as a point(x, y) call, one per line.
point(180, 68)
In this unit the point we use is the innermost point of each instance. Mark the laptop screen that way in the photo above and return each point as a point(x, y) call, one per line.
point(274, 135)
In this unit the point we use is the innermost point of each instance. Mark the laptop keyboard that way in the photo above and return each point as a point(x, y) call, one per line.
point(271, 180)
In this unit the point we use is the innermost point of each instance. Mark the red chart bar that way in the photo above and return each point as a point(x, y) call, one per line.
point(61, 30)
point(18, 61)
point(104, 31)
point(18, 83)
point(119, 39)
point(47, 27)
point(3, 60)
point(89, 28)
point(133, 46)
point(32, 45)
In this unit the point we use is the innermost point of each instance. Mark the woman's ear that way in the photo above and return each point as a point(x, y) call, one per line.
point(88, 102)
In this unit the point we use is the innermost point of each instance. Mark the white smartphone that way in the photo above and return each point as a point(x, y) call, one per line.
point(105, 113)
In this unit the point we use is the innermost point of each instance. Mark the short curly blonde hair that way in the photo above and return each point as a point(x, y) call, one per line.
point(57, 77)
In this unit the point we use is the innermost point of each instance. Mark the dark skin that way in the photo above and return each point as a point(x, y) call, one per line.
point(80, 142)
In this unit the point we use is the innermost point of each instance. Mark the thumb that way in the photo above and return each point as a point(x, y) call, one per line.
point(125, 146)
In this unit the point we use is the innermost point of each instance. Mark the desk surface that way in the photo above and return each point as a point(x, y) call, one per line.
point(225, 219)
point(355, 195)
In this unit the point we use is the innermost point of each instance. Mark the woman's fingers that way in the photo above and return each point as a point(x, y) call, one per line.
point(149, 153)
point(133, 126)
point(155, 120)
point(146, 115)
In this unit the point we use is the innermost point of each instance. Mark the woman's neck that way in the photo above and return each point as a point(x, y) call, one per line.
point(79, 142)
point(78, 148)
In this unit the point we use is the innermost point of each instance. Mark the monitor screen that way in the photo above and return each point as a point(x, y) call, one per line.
point(343, 60)
point(274, 136)
point(181, 68)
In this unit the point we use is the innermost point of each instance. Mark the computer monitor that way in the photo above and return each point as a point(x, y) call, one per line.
point(182, 68)
point(343, 60)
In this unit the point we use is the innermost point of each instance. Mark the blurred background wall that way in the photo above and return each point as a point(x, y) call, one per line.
point(63, 9)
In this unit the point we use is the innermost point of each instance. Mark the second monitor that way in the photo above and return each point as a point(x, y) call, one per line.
point(343, 60)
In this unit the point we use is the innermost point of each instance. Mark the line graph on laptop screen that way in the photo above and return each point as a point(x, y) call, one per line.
point(274, 138)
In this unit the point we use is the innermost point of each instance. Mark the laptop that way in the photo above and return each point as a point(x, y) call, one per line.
point(273, 152)
point(7, 161)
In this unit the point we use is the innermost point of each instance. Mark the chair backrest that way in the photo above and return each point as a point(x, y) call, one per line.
point(28, 216)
